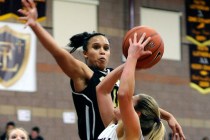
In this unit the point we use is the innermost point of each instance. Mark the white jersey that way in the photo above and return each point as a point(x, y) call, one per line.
point(110, 133)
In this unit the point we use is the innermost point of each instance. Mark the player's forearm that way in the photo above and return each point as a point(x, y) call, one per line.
point(127, 80)
point(164, 114)
point(46, 39)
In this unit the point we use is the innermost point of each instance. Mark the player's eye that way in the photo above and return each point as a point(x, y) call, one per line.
point(96, 46)
point(106, 48)
point(14, 136)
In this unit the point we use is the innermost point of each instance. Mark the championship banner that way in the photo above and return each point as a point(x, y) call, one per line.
point(198, 21)
point(17, 58)
point(9, 8)
point(198, 33)
point(200, 68)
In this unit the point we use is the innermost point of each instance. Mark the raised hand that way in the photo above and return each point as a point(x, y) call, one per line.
point(136, 48)
point(29, 12)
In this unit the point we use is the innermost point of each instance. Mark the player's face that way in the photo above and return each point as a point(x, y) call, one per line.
point(98, 52)
point(17, 134)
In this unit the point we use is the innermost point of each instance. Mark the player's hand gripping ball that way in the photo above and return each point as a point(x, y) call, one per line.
point(155, 45)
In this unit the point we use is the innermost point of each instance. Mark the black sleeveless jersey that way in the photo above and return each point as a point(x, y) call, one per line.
point(90, 124)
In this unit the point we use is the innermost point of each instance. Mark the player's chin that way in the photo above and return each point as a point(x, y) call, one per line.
point(102, 66)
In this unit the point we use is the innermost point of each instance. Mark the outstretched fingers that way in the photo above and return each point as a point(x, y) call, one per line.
point(32, 4)
point(142, 38)
point(178, 133)
point(24, 17)
point(144, 44)
point(26, 4)
point(29, 12)
point(146, 41)
point(138, 44)
point(135, 38)
point(23, 12)
point(181, 134)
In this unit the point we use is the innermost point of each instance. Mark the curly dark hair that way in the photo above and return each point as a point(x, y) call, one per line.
point(81, 39)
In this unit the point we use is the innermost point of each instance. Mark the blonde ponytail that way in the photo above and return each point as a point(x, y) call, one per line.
point(151, 125)
point(158, 132)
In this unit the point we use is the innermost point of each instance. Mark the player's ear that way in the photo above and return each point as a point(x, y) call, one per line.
point(139, 113)
point(85, 54)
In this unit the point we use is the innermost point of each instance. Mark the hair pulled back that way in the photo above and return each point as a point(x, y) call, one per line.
point(150, 121)
point(81, 40)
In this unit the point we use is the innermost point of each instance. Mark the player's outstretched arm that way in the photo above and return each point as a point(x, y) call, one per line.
point(71, 66)
point(173, 124)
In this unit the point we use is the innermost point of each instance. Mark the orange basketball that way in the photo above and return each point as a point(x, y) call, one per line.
point(156, 46)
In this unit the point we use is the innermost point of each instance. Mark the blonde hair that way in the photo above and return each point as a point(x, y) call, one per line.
point(18, 128)
point(150, 121)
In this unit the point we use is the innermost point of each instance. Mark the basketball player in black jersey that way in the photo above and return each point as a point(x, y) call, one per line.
point(84, 76)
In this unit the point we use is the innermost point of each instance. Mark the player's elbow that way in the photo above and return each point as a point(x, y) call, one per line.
point(125, 92)
point(122, 94)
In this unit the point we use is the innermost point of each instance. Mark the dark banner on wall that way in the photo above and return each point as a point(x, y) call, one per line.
point(200, 68)
point(198, 33)
point(9, 8)
point(198, 21)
